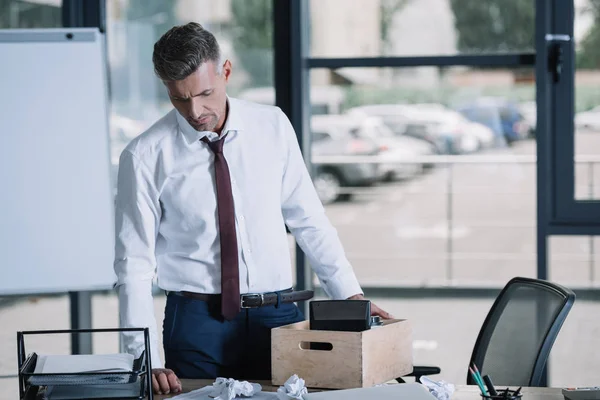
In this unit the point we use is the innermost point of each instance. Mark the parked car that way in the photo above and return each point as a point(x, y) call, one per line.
point(588, 119)
point(333, 136)
point(431, 124)
point(469, 136)
point(529, 111)
point(403, 155)
point(500, 115)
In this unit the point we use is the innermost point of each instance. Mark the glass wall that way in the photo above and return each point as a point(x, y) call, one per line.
point(429, 174)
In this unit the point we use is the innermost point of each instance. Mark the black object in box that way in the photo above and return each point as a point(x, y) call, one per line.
point(340, 315)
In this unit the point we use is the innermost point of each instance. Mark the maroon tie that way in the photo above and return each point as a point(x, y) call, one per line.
point(230, 280)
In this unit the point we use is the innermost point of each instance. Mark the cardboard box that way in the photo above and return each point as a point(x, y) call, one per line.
point(351, 360)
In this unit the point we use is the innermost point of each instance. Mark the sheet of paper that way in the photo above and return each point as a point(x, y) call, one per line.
point(401, 391)
point(202, 394)
point(84, 363)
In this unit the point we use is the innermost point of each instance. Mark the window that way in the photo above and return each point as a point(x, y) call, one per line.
point(30, 14)
point(365, 28)
point(406, 216)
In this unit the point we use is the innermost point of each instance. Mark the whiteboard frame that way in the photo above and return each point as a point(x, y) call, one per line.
point(65, 36)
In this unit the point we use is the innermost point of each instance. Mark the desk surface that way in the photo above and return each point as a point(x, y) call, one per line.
point(463, 392)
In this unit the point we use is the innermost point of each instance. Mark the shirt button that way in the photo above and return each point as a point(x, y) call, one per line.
point(249, 250)
point(241, 217)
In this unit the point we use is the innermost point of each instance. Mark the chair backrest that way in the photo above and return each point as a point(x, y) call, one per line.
point(515, 340)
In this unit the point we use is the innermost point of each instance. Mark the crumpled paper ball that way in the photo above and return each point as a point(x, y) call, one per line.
point(440, 390)
point(229, 389)
point(293, 388)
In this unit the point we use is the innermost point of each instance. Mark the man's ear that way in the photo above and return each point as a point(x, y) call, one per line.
point(227, 68)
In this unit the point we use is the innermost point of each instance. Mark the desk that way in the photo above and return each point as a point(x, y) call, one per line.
point(463, 392)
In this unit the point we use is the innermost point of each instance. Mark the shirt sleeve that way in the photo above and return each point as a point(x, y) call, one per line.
point(137, 214)
point(305, 217)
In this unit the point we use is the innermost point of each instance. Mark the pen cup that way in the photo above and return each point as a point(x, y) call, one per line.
point(504, 394)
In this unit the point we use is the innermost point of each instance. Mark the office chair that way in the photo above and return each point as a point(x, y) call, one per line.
point(518, 333)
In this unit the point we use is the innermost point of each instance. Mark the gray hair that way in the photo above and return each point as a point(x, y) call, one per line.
point(183, 49)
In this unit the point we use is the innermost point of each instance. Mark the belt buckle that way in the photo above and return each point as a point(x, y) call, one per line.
point(245, 296)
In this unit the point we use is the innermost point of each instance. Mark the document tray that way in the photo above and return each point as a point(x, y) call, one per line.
point(98, 384)
point(81, 378)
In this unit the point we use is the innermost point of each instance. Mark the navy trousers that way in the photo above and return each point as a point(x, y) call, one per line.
point(199, 344)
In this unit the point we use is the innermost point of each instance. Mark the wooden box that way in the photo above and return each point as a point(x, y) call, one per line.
point(344, 360)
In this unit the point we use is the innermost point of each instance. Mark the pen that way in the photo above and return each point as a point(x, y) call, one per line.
point(490, 386)
point(479, 383)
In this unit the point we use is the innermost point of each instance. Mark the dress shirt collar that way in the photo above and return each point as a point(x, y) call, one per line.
point(232, 123)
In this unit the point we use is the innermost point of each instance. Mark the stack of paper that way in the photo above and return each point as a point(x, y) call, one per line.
point(116, 391)
point(67, 366)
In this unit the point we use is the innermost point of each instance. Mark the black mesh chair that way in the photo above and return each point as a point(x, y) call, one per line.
point(518, 333)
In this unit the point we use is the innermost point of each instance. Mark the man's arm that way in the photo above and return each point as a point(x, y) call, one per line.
point(137, 214)
point(305, 217)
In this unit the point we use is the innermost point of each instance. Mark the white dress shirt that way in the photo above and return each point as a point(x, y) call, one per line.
point(166, 210)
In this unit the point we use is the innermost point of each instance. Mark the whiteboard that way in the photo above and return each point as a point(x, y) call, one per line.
point(56, 201)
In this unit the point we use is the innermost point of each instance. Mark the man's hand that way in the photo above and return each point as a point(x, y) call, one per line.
point(374, 309)
point(164, 381)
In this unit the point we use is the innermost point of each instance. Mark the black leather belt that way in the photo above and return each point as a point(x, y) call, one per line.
point(254, 300)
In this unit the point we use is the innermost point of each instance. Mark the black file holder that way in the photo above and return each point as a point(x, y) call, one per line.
point(135, 384)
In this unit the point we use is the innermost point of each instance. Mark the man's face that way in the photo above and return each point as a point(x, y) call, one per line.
point(201, 97)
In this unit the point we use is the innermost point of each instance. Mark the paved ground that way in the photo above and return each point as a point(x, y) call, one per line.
point(397, 234)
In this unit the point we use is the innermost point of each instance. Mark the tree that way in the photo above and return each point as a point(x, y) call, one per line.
point(388, 9)
point(252, 37)
point(588, 55)
point(494, 25)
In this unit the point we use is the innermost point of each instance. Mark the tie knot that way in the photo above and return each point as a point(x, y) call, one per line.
point(216, 146)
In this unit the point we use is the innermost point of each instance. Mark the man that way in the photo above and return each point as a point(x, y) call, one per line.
point(204, 196)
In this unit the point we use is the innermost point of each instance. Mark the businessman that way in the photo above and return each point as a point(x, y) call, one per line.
point(204, 197)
